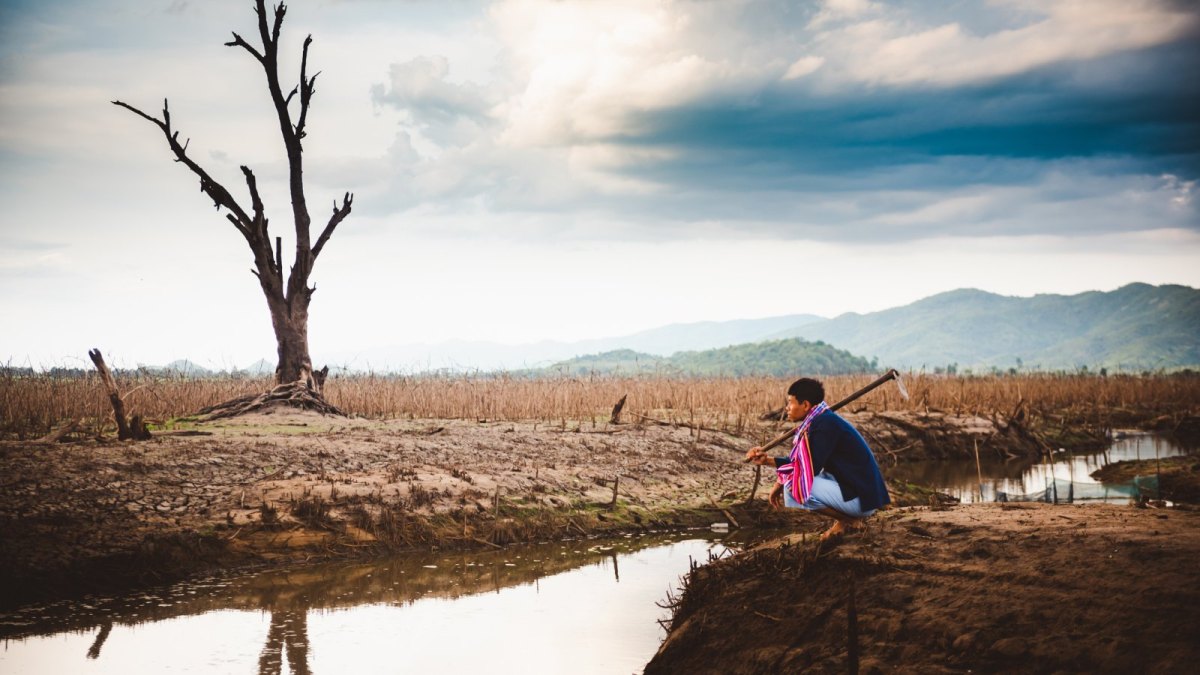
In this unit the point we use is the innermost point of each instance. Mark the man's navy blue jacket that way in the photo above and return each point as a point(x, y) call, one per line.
point(837, 448)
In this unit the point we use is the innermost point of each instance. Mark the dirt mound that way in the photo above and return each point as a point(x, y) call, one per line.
point(1178, 477)
point(1034, 588)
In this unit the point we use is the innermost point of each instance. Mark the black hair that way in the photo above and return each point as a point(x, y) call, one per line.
point(807, 389)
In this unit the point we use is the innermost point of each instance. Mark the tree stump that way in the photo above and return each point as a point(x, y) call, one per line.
point(137, 431)
point(616, 411)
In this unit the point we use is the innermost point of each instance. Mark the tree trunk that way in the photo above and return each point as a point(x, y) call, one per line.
point(291, 338)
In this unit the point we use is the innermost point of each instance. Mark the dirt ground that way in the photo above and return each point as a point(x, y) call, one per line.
point(294, 486)
point(286, 486)
point(936, 588)
point(983, 587)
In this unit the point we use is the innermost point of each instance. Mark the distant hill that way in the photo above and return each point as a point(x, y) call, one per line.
point(260, 367)
point(178, 367)
point(681, 337)
point(459, 355)
point(776, 357)
point(1135, 327)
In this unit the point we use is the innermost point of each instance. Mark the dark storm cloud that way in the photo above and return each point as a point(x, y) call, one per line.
point(1150, 117)
point(1056, 141)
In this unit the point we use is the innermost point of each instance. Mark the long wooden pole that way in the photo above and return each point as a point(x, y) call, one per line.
point(891, 374)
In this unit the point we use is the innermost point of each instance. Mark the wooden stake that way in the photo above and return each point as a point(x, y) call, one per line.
point(124, 432)
point(978, 470)
point(757, 478)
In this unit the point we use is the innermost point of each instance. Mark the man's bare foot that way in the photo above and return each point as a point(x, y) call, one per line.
point(836, 530)
point(840, 528)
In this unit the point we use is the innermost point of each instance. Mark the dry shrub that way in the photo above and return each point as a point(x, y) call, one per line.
point(31, 405)
point(311, 510)
point(268, 515)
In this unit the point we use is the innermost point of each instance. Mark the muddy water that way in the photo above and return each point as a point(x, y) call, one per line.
point(960, 478)
point(587, 606)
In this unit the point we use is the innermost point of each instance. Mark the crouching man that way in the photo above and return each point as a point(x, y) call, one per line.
point(831, 470)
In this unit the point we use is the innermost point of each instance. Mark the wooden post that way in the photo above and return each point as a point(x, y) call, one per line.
point(114, 397)
point(616, 411)
point(978, 469)
point(616, 482)
point(757, 478)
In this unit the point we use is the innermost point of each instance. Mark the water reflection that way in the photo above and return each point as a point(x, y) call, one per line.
point(289, 629)
point(961, 478)
point(582, 606)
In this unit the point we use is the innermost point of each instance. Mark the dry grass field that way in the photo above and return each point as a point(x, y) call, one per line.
point(31, 406)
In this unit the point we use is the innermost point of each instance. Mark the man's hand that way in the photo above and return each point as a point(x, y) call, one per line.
point(775, 499)
point(757, 456)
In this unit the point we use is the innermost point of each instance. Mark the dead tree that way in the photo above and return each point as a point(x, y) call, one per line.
point(136, 428)
point(288, 300)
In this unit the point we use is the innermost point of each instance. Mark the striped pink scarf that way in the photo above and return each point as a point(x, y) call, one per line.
point(800, 461)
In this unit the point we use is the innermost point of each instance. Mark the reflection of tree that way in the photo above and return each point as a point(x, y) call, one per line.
point(289, 630)
point(94, 652)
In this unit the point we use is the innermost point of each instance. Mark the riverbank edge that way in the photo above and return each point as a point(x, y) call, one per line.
point(308, 533)
point(162, 558)
point(977, 587)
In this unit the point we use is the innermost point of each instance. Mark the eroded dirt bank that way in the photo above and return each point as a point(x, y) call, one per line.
point(984, 587)
point(289, 486)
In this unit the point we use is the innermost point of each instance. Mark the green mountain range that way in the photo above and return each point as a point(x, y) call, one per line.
point(775, 357)
point(1135, 327)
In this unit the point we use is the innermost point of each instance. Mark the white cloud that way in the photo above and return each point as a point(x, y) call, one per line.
point(893, 51)
point(805, 65)
point(1180, 192)
point(840, 10)
point(582, 68)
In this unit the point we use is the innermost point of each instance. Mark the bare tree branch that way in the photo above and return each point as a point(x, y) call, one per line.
point(306, 88)
point(339, 213)
point(280, 10)
point(237, 41)
point(141, 114)
point(260, 219)
point(208, 185)
point(261, 11)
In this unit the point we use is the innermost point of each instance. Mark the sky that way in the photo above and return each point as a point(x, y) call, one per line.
point(529, 170)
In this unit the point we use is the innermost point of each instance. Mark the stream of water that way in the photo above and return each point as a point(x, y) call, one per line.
point(961, 478)
point(588, 606)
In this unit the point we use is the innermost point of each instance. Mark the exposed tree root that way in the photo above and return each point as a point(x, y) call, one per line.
point(290, 395)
